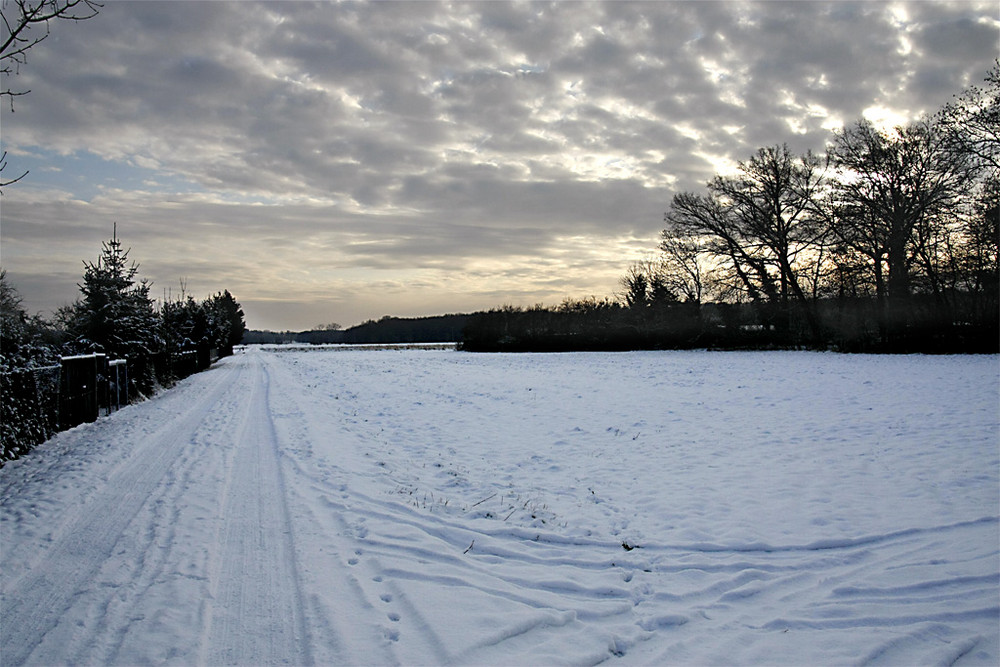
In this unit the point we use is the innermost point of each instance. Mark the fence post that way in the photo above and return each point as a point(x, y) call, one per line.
point(118, 377)
point(79, 389)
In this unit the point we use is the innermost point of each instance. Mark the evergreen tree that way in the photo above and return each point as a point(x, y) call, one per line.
point(229, 321)
point(186, 324)
point(116, 314)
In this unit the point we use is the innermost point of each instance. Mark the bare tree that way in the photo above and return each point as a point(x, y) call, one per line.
point(859, 254)
point(761, 224)
point(26, 23)
point(892, 185)
point(972, 122)
point(684, 270)
point(774, 198)
point(706, 221)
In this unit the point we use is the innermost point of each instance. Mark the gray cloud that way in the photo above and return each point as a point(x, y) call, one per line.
point(357, 155)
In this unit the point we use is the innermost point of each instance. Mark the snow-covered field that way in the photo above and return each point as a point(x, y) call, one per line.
point(437, 507)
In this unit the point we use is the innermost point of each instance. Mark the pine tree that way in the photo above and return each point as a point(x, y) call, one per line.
point(229, 323)
point(116, 314)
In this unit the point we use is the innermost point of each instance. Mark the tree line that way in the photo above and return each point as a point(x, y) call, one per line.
point(114, 316)
point(387, 330)
point(888, 242)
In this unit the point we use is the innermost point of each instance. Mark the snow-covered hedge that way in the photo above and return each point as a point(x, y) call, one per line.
point(29, 403)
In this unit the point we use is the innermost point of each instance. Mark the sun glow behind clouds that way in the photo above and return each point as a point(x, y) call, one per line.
point(883, 118)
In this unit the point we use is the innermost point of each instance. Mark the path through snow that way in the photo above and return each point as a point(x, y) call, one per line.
point(433, 507)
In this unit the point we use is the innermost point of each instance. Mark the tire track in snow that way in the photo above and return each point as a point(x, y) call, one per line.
point(167, 583)
point(55, 579)
point(336, 567)
point(256, 613)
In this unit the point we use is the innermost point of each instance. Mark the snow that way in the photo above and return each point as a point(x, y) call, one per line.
point(427, 506)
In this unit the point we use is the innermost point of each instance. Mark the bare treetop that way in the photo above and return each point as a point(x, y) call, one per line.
point(25, 24)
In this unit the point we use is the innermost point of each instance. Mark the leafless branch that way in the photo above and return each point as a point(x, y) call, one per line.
point(3, 165)
point(26, 23)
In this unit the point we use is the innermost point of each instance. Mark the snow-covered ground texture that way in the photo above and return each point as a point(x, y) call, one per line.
point(437, 507)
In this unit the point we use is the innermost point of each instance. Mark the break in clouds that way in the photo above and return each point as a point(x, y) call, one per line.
point(344, 161)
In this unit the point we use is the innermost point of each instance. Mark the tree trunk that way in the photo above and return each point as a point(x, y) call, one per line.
point(898, 302)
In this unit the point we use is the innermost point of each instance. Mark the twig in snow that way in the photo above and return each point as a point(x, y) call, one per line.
point(469, 549)
point(484, 500)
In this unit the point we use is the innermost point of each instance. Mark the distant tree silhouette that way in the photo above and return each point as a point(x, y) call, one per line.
point(891, 244)
point(893, 186)
point(760, 224)
point(635, 286)
point(682, 267)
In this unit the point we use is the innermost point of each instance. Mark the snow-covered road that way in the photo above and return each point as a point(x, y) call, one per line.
point(435, 507)
point(180, 548)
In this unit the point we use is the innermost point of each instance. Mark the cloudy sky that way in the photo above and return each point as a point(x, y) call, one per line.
point(339, 162)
